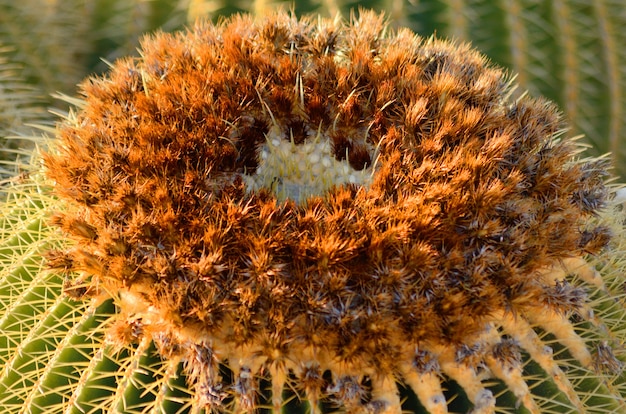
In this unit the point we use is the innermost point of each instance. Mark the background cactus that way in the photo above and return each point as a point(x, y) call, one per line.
point(52, 347)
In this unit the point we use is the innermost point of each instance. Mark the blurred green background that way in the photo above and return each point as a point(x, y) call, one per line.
point(571, 51)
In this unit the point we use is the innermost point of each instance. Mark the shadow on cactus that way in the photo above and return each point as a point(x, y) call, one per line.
point(279, 210)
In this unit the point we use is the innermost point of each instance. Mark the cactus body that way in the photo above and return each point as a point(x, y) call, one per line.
point(457, 242)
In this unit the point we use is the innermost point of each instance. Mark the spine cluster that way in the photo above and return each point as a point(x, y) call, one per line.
point(452, 248)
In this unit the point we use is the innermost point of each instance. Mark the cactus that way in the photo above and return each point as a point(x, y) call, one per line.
point(262, 212)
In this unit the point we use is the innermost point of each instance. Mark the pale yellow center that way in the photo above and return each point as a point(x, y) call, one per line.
point(300, 171)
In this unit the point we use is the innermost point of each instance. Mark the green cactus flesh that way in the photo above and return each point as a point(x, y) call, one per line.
point(464, 260)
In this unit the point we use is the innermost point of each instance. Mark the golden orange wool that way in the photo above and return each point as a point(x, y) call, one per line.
point(459, 212)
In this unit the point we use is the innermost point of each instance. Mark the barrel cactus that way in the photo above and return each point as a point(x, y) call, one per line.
point(293, 214)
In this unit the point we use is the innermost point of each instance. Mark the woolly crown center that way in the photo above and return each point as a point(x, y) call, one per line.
point(299, 171)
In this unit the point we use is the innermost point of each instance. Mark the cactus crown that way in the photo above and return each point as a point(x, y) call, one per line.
point(333, 205)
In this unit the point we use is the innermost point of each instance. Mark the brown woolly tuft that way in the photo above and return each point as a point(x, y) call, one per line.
point(435, 252)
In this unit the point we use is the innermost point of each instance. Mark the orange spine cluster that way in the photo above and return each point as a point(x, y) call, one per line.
point(439, 265)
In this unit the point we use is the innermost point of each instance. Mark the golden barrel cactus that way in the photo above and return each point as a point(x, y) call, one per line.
point(336, 209)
